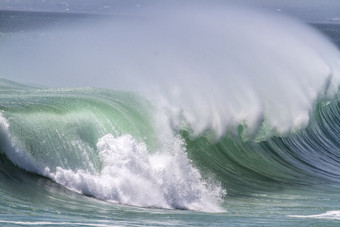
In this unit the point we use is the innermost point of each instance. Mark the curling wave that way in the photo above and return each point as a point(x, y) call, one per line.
point(208, 104)
point(103, 144)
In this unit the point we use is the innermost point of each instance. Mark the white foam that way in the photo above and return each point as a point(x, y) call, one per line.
point(331, 215)
point(131, 176)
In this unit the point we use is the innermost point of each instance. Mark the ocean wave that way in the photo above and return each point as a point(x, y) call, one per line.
point(100, 147)
point(217, 107)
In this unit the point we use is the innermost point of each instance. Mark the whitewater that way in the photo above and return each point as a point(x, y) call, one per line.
point(205, 115)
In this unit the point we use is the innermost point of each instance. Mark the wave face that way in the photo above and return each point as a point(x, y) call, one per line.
point(304, 158)
point(112, 146)
point(103, 144)
point(199, 104)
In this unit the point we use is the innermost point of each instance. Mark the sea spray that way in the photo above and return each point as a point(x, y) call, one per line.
point(215, 68)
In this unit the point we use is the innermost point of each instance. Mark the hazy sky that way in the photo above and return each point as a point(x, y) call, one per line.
point(309, 10)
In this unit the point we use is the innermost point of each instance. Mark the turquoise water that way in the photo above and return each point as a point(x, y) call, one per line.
point(287, 185)
point(227, 141)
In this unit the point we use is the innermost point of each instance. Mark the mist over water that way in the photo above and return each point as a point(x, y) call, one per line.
point(214, 66)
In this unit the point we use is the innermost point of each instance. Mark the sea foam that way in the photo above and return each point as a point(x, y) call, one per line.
point(130, 175)
point(330, 215)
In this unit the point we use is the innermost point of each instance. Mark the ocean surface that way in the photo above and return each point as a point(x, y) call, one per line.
point(132, 121)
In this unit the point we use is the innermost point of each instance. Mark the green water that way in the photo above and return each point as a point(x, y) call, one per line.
point(108, 157)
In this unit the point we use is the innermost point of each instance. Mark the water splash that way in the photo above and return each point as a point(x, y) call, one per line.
point(212, 67)
point(130, 175)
